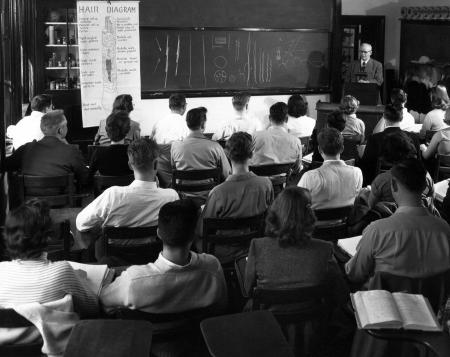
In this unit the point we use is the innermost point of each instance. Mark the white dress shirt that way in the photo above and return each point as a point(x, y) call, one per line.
point(407, 123)
point(165, 287)
point(240, 122)
point(135, 205)
point(170, 128)
point(275, 146)
point(434, 120)
point(302, 126)
point(334, 184)
point(28, 129)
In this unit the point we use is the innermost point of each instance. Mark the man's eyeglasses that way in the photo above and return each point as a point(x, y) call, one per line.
point(365, 51)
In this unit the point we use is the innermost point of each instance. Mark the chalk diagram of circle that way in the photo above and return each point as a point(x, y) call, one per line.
point(220, 76)
point(232, 78)
point(220, 62)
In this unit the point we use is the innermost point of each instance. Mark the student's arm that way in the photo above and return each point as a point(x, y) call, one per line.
point(250, 269)
point(381, 125)
point(425, 126)
point(431, 150)
point(117, 293)
point(362, 264)
point(363, 132)
point(94, 214)
point(84, 300)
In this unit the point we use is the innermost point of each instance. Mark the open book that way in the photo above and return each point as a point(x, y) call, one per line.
point(376, 309)
point(349, 245)
point(96, 275)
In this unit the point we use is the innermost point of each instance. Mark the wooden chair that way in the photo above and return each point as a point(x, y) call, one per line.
point(101, 182)
point(170, 328)
point(248, 334)
point(195, 180)
point(305, 144)
point(304, 321)
point(9, 318)
point(58, 191)
point(100, 338)
point(443, 168)
point(331, 223)
point(278, 174)
point(214, 231)
point(135, 245)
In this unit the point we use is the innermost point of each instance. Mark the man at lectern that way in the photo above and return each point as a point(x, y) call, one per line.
point(366, 69)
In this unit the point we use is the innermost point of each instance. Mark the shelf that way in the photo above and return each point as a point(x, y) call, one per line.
point(62, 67)
point(60, 23)
point(58, 45)
point(76, 67)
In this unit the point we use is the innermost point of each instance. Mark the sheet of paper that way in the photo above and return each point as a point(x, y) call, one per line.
point(95, 274)
point(349, 244)
point(440, 190)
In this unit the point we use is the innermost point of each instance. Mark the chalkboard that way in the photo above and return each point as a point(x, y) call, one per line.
point(218, 60)
point(285, 14)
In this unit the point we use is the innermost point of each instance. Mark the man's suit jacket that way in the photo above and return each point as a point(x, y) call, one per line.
point(48, 157)
point(373, 151)
point(374, 71)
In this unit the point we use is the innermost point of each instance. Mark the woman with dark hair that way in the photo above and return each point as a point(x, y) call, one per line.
point(434, 120)
point(113, 160)
point(299, 124)
point(29, 277)
point(288, 257)
point(123, 102)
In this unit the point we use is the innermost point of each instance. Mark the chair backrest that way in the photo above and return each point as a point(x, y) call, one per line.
point(443, 168)
point(251, 334)
point(240, 231)
point(314, 297)
point(278, 173)
point(195, 180)
point(429, 135)
point(102, 182)
point(436, 287)
point(9, 318)
point(331, 223)
point(58, 191)
point(138, 245)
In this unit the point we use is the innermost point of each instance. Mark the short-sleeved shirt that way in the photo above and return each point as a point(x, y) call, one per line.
point(353, 126)
point(302, 126)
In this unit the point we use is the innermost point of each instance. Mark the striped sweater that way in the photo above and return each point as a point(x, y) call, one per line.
point(39, 280)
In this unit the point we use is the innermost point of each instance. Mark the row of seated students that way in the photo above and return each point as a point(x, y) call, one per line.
point(290, 217)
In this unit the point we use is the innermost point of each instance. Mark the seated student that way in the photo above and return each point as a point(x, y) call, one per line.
point(354, 127)
point(396, 148)
point(136, 205)
point(412, 242)
point(398, 99)
point(299, 124)
point(29, 127)
point(122, 102)
point(239, 120)
point(172, 127)
point(440, 142)
point(334, 184)
point(29, 276)
point(434, 120)
point(243, 194)
point(196, 151)
point(337, 121)
point(372, 152)
point(179, 280)
point(113, 160)
point(275, 145)
point(288, 257)
point(50, 156)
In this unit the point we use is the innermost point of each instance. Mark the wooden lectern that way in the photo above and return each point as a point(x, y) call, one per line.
point(366, 93)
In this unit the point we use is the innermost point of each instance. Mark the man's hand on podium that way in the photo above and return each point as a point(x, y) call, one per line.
point(363, 81)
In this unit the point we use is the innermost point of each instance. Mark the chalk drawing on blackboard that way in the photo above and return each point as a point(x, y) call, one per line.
point(220, 62)
point(190, 60)
point(177, 56)
point(232, 78)
point(220, 76)
point(204, 60)
point(159, 46)
point(218, 41)
point(278, 54)
point(229, 41)
point(157, 63)
point(166, 71)
point(248, 58)
point(254, 62)
point(237, 44)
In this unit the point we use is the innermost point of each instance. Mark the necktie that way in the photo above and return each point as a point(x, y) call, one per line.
point(363, 67)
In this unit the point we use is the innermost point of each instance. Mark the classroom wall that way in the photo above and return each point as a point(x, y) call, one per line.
point(391, 10)
point(148, 111)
